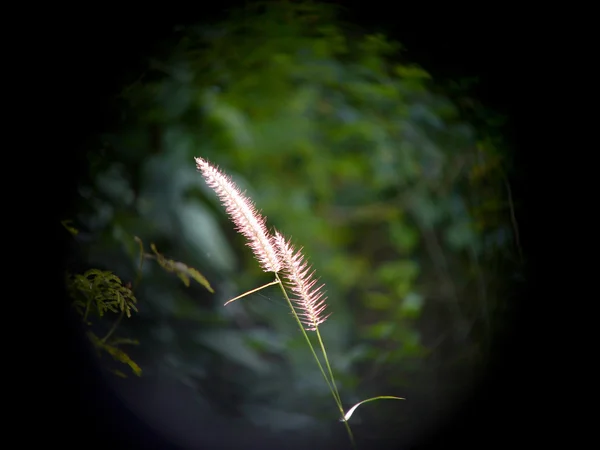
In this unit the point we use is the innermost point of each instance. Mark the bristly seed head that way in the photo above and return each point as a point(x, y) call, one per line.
point(299, 277)
point(248, 221)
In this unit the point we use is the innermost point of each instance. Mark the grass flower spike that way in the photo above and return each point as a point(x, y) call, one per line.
point(299, 276)
point(243, 213)
point(276, 254)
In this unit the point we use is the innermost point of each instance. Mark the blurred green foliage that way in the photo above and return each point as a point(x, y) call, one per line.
point(98, 292)
point(399, 202)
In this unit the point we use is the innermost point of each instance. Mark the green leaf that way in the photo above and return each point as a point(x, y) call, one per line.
point(411, 71)
point(378, 301)
point(118, 373)
point(123, 341)
point(196, 276)
point(402, 287)
point(381, 330)
point(381, 397)
point(116, 353)
point(183, 271)
point(390, 273)
point(184, 278)
point(65, 223)
point(411, 306)
point(121, 356)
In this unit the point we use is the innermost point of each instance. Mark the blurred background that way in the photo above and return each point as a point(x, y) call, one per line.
point(395, 183)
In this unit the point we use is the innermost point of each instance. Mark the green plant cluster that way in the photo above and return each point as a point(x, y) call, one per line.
point(99, 293)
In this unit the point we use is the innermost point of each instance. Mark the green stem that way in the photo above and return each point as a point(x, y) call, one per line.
point(329, 380)
point(114, 327)
point(138, 278)
point(87, 310)
point(336, 394)
point(330, 384)
point(513, 218)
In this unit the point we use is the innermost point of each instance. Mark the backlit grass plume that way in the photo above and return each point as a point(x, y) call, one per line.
point(299, 275)
point(275, 253)
point(244, 215)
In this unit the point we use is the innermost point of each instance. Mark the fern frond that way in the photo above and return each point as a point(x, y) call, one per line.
point(104, 289)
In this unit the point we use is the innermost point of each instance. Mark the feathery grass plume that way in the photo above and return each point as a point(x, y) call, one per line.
point(299, 276)
point(243, 213)
point(274, 253)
